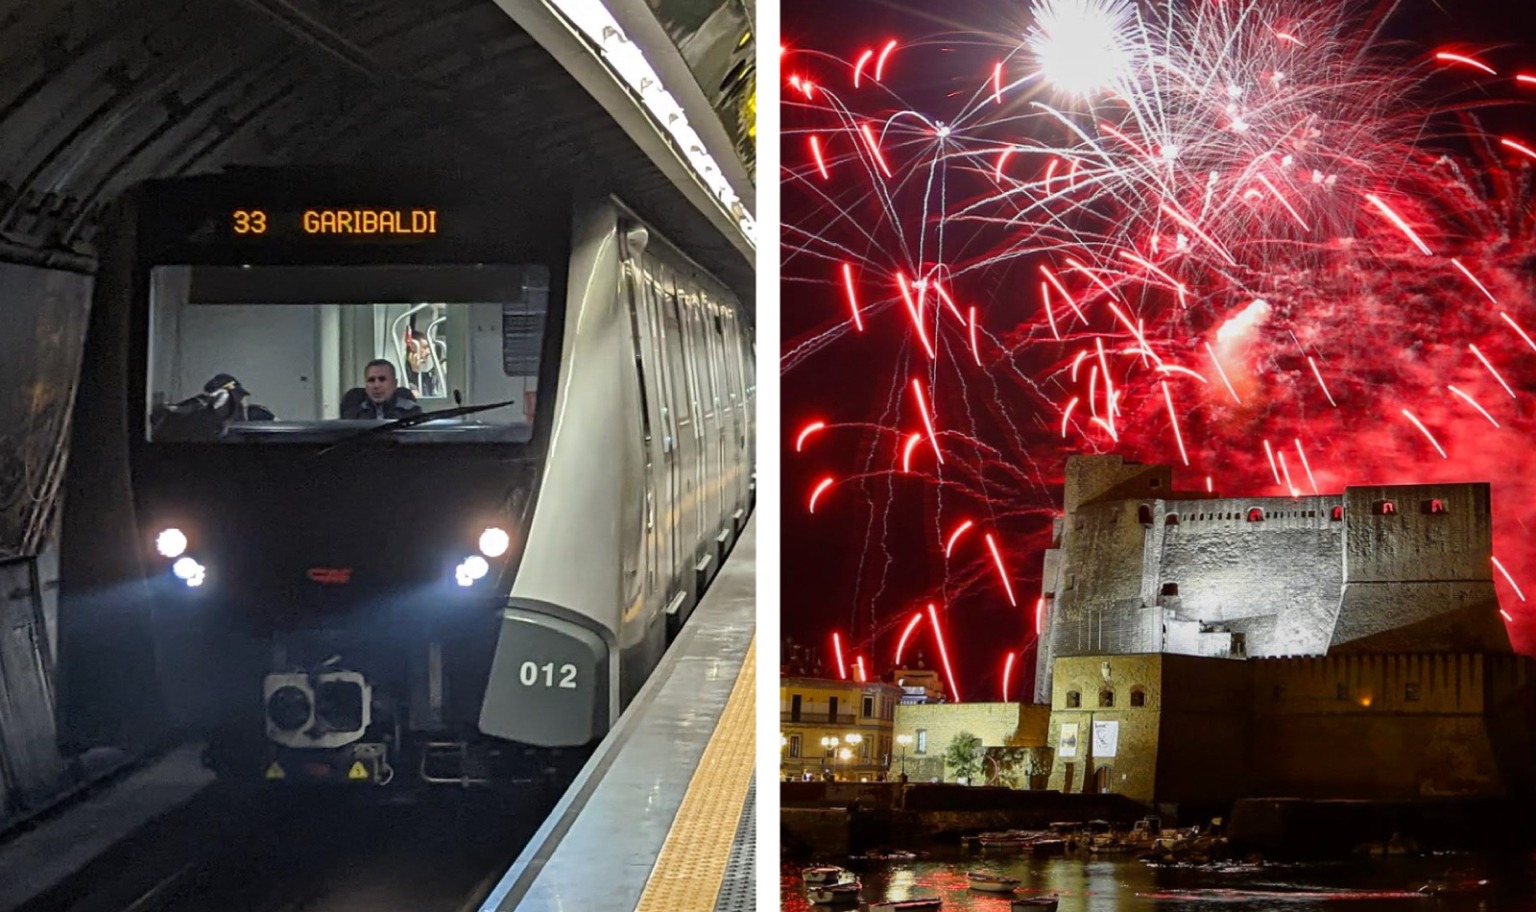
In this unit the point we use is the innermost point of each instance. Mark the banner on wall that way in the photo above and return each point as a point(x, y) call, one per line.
point(1106, 736)
point(1068, 747)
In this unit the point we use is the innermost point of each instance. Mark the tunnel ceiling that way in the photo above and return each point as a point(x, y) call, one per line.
point(98, 95)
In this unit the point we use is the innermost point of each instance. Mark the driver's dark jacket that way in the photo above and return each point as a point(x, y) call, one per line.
point(356, 405)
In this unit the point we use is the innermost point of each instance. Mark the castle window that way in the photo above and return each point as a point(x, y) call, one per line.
point(1170, 588)
point(1154, 482)
point(1138, 697)
point(1384, 508)
point(1434, 507)
point(1144, 515)
point(1255, 515)
point(1341, 692)
point(1106, 698)
point(1171, 520)
point(1411, 691)
point(1074, 699)
point(1337, 515)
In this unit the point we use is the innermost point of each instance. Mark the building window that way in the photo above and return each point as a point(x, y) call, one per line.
point(794, 745)
point(1144, 515)
point(1277, 693)
point(922, 742)
point(1337, 515)
point(1172, 519)
point(1138, 697)
point(1255, 515)
point(1154, 482)
point(1106, 698)
point(1341, 692)
point(869, 706)
point(1074, 699)
point(1170, 588)
point(1411, 691)
point(1434, 507)
point(1384, 508)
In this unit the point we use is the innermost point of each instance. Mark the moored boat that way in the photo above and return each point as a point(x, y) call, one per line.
point(1035, 903)
point(834, 894)
point(820, 874)
point(991, 883)
point(907, 905)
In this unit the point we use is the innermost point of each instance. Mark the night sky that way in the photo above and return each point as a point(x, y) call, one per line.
point(872, 554)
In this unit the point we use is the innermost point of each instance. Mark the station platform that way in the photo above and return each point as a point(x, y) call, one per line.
point(661, 818)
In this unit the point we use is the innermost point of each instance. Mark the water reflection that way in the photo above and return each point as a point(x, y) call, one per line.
point(1122, 884)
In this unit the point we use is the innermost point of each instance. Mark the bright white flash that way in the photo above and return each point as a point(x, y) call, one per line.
point(1081, 45)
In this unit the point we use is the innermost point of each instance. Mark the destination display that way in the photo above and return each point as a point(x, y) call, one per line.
point(254, 223)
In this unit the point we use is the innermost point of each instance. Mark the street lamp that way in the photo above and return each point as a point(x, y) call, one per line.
point(903, 740)
point(829, 744)
point(853, 739)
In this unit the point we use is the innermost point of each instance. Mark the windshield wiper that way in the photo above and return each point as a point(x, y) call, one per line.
point(408, 421)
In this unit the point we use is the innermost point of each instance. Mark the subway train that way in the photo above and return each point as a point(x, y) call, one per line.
point(392, 481)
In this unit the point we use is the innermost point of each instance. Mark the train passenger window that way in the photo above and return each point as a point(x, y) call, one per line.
point(289, 347)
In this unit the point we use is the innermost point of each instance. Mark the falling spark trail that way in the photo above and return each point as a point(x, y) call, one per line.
point(1197, 232)
point(975, 351)
point(853, 299)
point(1039, 610)
point(1303, 454)
point(821, 164)
point(837, 651)
point(922, 405)
point(1001, 160)
point(874, 149)
point(1523, 150)
point(902, 643)
point(906, 452)
point(1526, 79)
point(1458, 58)
point(1173, 419)
point(858, 67)
point(1051, 277)
point(1284, 202)
point(997, 83)
point(880, 63)
point(938, 634)
point(955, 536)
point(825, 483)
point(859, 664)
point(1002, 572)
point(1468, 273)
point(1511, 579)
point(1222, 374)
point(1268, 451)
point(1473, 402)
point(1425, 431)
point(1516, 327)
point(1286, 470)
point(1066, 415)
point(1488, 364)
point(809, 429)
point(1319, 375)
point(1399, 222)
point(1045, 299)
point(1007, 673)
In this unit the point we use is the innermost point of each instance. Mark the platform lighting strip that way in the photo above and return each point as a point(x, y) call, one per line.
point(628, 61)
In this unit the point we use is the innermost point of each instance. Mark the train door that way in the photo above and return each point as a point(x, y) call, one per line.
point(688, 391)
point(687, 447)
point(650, 428)
point(671, 555)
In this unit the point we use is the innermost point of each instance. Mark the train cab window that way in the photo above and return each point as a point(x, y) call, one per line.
point(296, 341)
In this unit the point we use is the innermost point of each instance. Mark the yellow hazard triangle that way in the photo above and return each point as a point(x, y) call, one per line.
point(358, 771)
point(275, 771)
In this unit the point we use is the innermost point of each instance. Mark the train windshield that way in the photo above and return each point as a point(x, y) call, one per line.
point(305, 354)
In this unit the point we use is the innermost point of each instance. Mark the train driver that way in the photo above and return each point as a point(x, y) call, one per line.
point(380, 397)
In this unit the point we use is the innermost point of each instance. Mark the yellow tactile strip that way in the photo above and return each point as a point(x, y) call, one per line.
point(691, 865)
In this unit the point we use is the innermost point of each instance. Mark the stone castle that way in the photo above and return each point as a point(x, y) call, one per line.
point(1139, 568)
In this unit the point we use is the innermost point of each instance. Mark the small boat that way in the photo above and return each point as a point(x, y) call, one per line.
point(897, 855)
point(991, 883)
point(821, 874)
point(907, 905)
point(1035, 903)
point(834, 894)
point(1048, 846)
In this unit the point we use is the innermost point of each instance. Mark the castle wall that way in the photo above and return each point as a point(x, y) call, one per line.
point(1277, 581)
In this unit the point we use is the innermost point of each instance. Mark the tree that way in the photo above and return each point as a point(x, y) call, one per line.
point(963, 755)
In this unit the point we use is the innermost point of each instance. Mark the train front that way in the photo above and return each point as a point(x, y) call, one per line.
point(335, 473)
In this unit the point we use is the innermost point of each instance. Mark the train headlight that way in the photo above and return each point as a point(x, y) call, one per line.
point(289, 708)
point(187, 569)
point(474, 567)
point(171, 543)
point(494, 542)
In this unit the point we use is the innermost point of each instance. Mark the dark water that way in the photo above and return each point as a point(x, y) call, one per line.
point(1121, 883)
